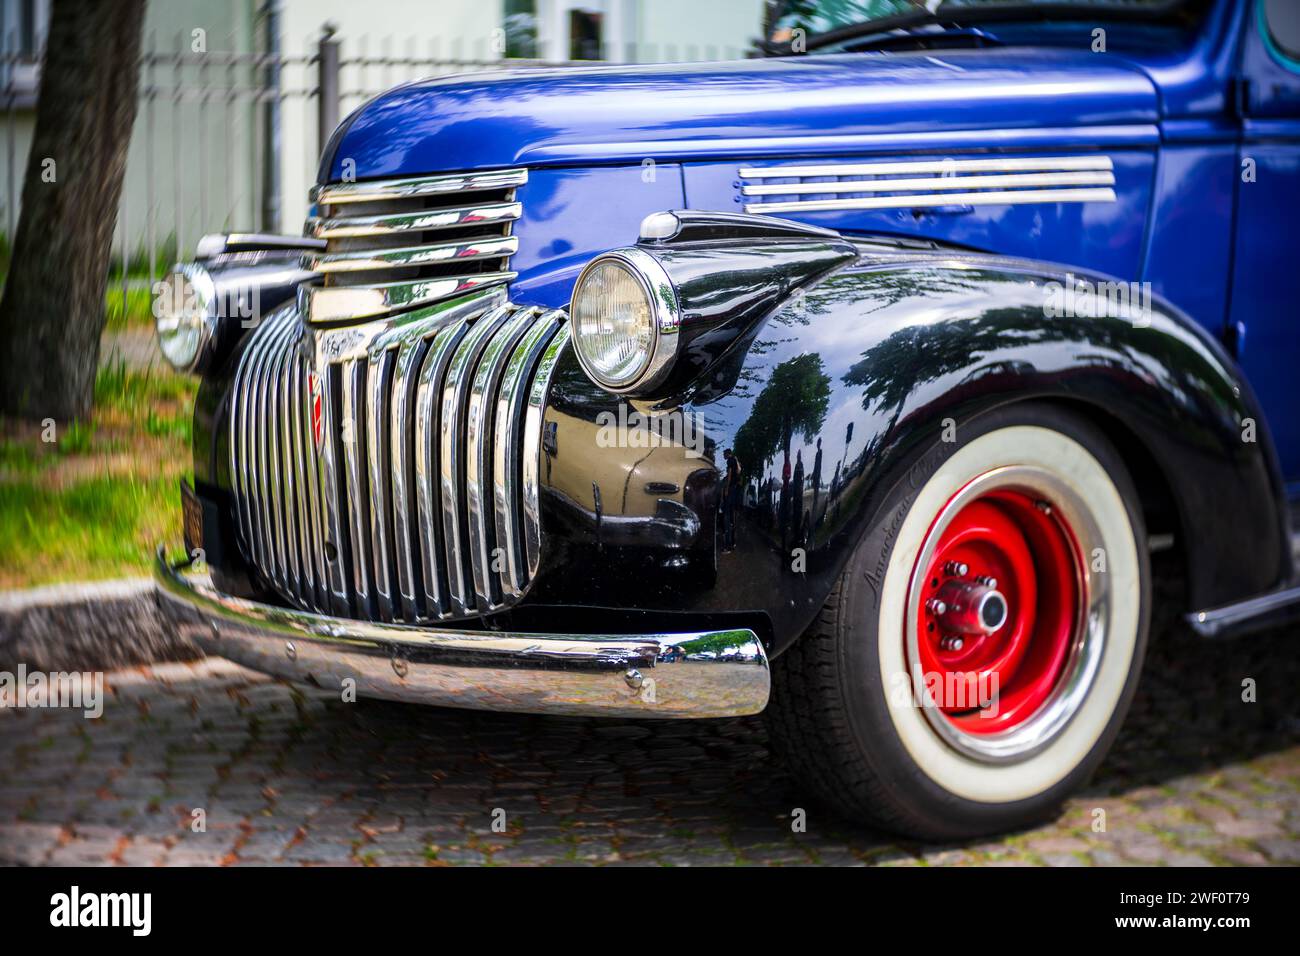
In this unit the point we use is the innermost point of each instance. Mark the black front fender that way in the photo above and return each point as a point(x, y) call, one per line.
point(851, 379)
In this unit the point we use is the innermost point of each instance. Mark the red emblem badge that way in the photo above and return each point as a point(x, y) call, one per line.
point(317, 414)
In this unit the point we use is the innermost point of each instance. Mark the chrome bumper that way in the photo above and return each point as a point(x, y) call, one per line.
point(704, 674)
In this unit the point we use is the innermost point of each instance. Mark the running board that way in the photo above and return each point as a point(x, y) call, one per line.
point(1255, 614)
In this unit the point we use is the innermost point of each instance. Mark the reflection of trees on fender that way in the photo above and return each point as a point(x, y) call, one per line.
point(794, 401)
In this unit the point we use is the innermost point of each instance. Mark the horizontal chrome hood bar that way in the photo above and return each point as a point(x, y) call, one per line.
point(1000, 164)
point(338, 193)
point(493, 247)
point(699, 674)
point(1007, 197)
point(336, 304)
point(1090, 178)
point(353, 227)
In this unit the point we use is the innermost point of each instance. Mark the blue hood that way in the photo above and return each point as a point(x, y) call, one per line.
point(789, 106)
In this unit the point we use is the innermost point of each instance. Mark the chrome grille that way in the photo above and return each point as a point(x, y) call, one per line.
point(420, 501)
point(404, 243)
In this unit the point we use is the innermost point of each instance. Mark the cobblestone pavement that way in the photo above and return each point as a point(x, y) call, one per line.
point(296, 776)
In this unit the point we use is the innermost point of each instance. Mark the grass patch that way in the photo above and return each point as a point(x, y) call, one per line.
point(97, 528)
point(135, 311)
point(94, 501)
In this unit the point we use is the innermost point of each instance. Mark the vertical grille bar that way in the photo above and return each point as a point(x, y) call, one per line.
point(353, 437)
point(532, 457)
point(478, 458)
point(298, 493)
point(428, 428)
point(332, 489)
point(284, 466)
point(451, 465)
point(250, 441)
point(312, 488)
point(377, 461)
point(401, 428)
point(511, 403)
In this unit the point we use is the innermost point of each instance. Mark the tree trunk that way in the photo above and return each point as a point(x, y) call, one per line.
point(52, 313)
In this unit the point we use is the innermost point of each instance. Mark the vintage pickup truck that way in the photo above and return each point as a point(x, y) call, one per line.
point(857, 382)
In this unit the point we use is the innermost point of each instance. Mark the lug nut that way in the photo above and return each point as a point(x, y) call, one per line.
point(935, 606)
point(987, 581)
point(956, 569)
point(952, 644)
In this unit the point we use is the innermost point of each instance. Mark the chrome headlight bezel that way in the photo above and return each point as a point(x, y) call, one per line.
point(665, 320)
point(201, 314)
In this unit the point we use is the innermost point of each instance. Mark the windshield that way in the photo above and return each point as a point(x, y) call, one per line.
point(815, 17)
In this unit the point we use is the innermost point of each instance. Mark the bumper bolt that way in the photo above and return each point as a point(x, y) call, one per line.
point(290, 651)
point(400, 667)
point(633, 678)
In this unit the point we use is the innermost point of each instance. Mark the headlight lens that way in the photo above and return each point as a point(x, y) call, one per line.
point(183, 315)
point(624, 320)
point(613, 323)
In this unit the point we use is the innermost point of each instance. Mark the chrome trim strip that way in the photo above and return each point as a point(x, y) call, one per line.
point(486, 247)
point(1247, 616)
point(346, 304)
point(355, 227)
point(1001, 164)
point(478, 458)
point(941, 182)
point(532, 455)
point(340, 193)
point(511, 402)
point(1012, 197)
point(695, 674)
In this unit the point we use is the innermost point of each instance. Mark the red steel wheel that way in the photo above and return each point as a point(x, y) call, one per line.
point(1000, 608)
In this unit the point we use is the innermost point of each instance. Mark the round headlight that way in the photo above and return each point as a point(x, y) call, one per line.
point(624, 320)
point(183, 315)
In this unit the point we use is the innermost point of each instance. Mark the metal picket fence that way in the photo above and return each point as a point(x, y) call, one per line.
point(216, 130)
